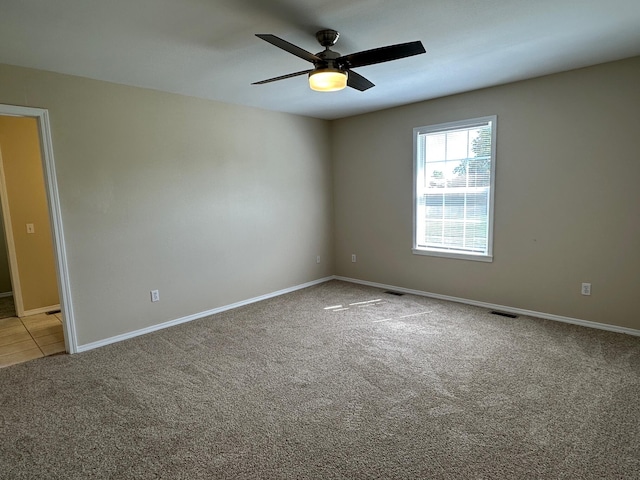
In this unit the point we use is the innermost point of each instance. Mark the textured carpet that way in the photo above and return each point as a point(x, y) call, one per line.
point(395, 388)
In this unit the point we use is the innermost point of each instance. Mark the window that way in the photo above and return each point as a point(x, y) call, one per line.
point(454, 186)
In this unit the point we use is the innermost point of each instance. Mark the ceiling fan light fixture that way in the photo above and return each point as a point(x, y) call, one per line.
point(328, 79)
point(331, 71)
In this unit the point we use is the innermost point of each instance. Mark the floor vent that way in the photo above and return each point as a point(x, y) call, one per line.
point(503, 314)
point(53, 312)
point(397, 294)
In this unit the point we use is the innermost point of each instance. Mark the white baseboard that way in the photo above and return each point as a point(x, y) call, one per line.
point(6, 294)
point(502, 308)
point(36, 311)
point(491, 306)
point(195, 316)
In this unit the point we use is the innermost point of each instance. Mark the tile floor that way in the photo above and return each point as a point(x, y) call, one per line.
point(23, 339)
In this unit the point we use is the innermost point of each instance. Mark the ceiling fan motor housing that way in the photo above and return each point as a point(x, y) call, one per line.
point(329, 58)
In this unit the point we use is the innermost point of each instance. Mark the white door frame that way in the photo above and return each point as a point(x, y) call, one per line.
point(55, 217)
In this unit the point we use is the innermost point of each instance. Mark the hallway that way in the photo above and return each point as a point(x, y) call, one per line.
point(30, 337)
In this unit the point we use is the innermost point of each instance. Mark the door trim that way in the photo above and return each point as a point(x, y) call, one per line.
point(55, 217)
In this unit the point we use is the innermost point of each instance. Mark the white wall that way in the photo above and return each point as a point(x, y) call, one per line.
point(209, 203)
point(567, 196)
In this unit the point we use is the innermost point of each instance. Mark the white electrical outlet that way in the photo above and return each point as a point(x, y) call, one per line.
point(353, 258)
point(586, 289)
point(318, 259)
point(155, 296)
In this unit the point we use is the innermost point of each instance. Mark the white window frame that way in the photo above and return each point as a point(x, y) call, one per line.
point(443, 127)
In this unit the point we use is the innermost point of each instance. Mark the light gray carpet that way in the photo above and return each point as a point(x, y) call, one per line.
point(406, 387)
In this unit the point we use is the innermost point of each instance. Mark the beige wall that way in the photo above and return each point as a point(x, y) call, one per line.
point(213, 203)
point(5, 274)
point(208, 202)
point(24, 180)
point(567, 199)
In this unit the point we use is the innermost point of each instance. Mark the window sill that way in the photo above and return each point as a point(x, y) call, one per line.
point(458, 256)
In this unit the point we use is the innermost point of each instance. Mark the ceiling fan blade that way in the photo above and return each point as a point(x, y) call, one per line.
point(282, 77)
point(357, 81)
point(382, 54)
point(289, 47)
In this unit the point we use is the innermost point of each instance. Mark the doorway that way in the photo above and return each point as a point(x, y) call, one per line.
point(25, 216)
point(7, 306)
point(50, 306)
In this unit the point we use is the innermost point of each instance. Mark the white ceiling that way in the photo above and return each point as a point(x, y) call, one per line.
point(207, 48)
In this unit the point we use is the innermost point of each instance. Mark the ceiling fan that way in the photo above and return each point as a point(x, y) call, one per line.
point(332, 71)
